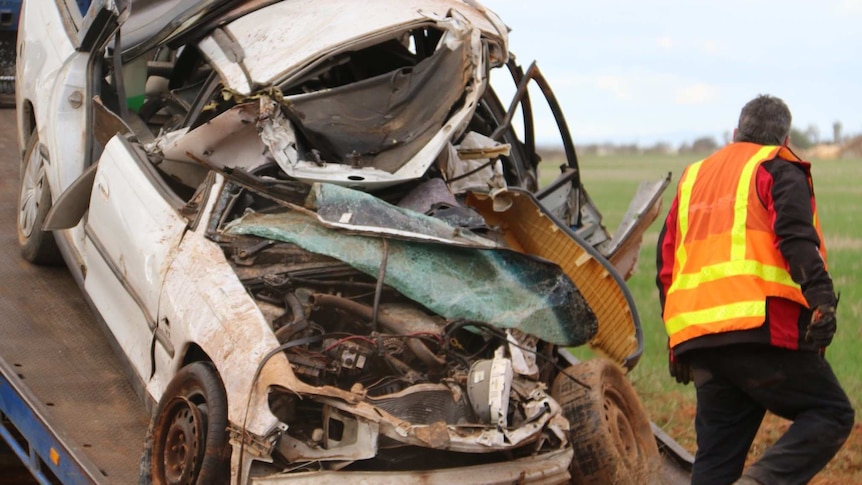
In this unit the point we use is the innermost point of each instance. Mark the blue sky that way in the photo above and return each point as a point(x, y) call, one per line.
point(630, 71)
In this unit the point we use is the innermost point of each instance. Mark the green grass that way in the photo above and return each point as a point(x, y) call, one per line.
point(611, 182)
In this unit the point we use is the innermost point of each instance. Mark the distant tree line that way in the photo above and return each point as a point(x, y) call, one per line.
point(811, 136)
point(802, 139)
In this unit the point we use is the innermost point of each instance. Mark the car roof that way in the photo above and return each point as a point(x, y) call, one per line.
point(153, 22)
point(273, 47)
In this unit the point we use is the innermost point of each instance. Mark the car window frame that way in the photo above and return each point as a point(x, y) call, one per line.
point(72, 18)
point(83, 28)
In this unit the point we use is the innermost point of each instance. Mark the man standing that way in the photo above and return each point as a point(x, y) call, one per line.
point(749, 306)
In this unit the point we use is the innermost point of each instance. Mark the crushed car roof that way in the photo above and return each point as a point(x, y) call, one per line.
point(313, 24)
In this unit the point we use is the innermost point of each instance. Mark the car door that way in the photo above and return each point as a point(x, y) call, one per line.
point(51, 77)
point(132, 232)
point(565, 197)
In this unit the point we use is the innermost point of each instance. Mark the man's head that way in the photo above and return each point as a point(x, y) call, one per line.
point(764, 120)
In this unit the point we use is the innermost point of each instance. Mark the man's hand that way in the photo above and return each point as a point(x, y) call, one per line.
point(681, 371)
point(822, 327)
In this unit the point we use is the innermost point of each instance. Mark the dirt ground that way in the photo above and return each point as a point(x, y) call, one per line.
point(678, 422)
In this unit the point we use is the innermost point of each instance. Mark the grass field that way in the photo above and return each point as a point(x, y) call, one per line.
point(612, 180)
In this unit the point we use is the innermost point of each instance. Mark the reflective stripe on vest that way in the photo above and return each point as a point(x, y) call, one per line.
point(728, 307)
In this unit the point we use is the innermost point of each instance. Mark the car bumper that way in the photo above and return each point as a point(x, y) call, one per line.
point(547, 468)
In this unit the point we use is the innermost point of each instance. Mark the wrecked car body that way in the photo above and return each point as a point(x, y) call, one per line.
point(321, 244)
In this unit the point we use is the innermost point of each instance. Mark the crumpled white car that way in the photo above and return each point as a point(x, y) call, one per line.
point(321, 245)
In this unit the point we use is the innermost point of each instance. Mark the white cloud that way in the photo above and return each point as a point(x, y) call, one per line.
point(619, 86)
point(661, 69)
point(696, 94)
point(853, 7)
point(711, 47)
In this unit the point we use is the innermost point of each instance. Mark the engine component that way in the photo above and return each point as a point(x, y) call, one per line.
point(488, 386)
point(426, 404)
point(390, 324)
point(306, 366)
point(347, 355)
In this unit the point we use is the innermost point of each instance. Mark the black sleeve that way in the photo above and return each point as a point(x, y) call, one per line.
point(797, 238)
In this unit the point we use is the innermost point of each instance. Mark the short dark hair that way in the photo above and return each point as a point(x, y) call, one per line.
point(764, 120)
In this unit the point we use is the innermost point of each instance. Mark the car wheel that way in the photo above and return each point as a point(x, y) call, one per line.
point(188, 439)
point(610, 431)
point(34, 202)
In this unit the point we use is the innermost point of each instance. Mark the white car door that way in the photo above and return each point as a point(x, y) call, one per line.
point(51, 89)
point(132, 231)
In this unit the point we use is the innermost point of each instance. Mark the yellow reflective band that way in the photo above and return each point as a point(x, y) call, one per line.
point(755, 308)
point(684, 202)
point(740, 206)
point(715, 272)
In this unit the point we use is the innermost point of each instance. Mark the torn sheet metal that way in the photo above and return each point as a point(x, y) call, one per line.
point(626, 242)
point(428, 194)
point(504, 288)
point(384, 121)
point(531, 229)
point(318, 29)
point(523, 350)
point(375, 132)
point(474, 165)
point(229, 140)
point(340, 207)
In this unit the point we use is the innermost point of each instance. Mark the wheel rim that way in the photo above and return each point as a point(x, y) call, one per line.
point(31, 193)
point(620, 427)
point(184, 441)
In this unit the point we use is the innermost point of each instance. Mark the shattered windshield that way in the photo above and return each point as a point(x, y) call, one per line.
point(504, 288)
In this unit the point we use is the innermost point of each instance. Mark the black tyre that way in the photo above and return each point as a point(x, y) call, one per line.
point(34, 202)
point(188, 440)
point(610, 431)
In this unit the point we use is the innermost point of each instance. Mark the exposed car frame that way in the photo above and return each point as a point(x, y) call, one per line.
point(244, 217)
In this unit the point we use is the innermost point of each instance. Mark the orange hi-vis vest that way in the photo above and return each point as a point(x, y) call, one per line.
point(726, 259)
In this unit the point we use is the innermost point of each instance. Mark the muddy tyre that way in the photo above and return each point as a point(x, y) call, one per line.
point(34, 202)
point(187, 442)
point(610, 431)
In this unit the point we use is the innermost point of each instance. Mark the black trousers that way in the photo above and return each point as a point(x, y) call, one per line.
point(736, 384)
